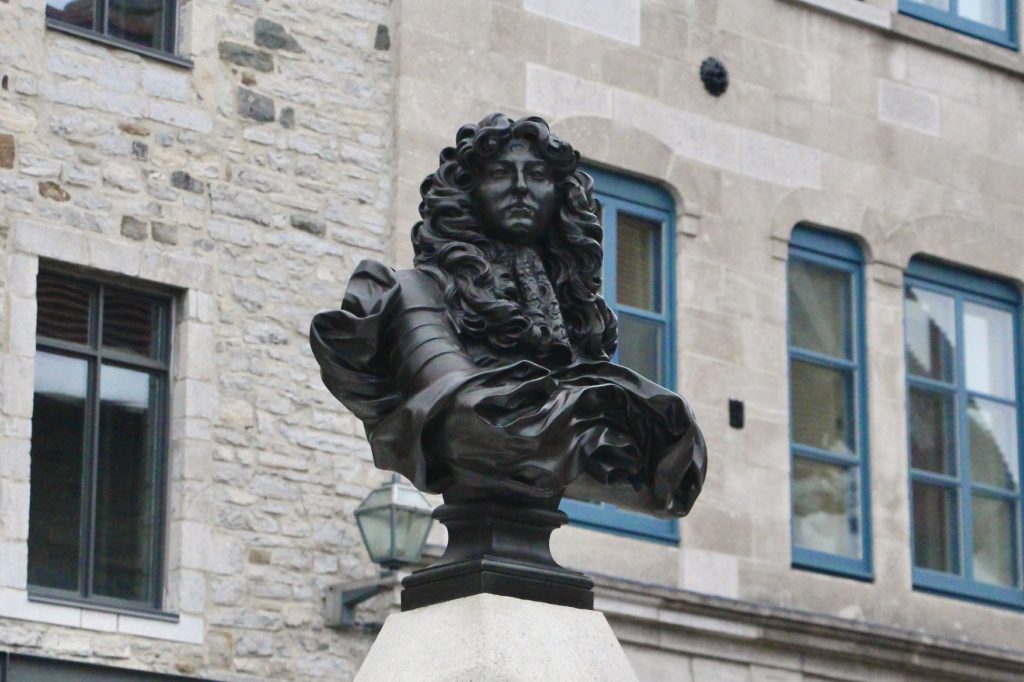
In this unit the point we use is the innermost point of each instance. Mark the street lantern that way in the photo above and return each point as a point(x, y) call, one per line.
point(394, 521)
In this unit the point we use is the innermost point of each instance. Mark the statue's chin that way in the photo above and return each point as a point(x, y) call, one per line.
point(522, 232)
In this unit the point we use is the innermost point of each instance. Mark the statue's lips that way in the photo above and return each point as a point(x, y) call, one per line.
point(519, 211)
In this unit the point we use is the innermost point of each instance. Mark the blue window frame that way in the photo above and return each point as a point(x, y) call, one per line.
point(992, 20)
point(963, 423)
point(830, 491)
point(639, 284)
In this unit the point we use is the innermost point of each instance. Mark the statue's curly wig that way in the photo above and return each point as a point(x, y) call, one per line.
point(450, 246)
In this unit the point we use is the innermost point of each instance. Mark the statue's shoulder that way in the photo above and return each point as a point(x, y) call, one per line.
point(412, 288)
point(419, 289)
point(372, 272)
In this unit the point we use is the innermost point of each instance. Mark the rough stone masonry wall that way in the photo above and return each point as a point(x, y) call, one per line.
point(253, 183)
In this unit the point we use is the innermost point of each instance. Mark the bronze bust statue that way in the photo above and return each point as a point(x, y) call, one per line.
point(483, 373)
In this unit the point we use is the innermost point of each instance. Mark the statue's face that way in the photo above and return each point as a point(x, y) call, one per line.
point(515, 195)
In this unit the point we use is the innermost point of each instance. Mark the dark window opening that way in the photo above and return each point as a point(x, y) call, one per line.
point(146, 23)
point(98, 442)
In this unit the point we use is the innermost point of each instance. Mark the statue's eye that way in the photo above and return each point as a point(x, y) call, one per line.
point(497, 172)
point(538, 174)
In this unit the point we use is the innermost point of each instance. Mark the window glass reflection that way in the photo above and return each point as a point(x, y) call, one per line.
point(640, 346)
point(125, 484)
point(636, 262)
point(826, 507)
point(931, 334)
point(58, 438)
point(993, 443)
point(995, 553)
point(821, 407)
point(76, 12)
point(932, 431)
point(819, 308)
point(935, 528)
point(989, 12)
point(138, 21)
point(988, 350)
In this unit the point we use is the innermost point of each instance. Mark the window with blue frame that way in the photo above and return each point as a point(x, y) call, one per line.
point(828, 405)
point(639, 228)
point(991, 20)
point(963, 398)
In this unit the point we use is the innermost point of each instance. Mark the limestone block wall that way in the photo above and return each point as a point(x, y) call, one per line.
point(252, 183)
point(839, 112)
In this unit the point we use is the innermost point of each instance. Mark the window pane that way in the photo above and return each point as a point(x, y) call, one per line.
point(993, 447)
point(931, 334)
point(932, 432)
point(819, 308)
point(989, 12)
point(937, 4)
point(637, 278)
point(77, 12)
point(58, 436)
point(935, 528)
point(125, 485)
point(995, 542)
point(63, 308)
point(138, 21)
point(822, 410)
point(988, 350)
point(826, 507)
point(640, 346)
point(130, 322)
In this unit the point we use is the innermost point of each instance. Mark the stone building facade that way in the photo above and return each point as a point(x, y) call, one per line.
point(249, 174)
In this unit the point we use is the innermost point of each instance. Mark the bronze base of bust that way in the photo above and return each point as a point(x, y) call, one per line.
point(498, 548)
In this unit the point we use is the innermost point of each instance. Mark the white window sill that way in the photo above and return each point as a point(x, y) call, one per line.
point(858, 10)
point(15, 604)
point(940, 38)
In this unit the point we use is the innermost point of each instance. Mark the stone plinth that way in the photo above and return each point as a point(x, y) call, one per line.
point(498, 639)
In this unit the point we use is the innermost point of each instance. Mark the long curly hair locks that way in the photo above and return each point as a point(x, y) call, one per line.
point(450, 247)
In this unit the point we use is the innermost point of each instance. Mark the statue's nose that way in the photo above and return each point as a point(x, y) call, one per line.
point(520, 184)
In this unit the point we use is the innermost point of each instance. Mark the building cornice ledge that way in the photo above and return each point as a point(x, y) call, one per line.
point(702, 618)
point(908, 28)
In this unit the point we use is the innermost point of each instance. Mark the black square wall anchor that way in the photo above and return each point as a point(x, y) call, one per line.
point(736, 413)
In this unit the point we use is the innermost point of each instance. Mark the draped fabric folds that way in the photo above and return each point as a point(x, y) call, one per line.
point(517, 428)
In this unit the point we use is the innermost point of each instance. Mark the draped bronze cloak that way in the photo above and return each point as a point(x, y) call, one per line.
point(512, 429)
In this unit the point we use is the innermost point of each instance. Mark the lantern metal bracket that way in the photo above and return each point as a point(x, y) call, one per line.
point(342, 600)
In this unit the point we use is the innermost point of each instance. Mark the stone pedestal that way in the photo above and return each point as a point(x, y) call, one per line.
point(487, 637)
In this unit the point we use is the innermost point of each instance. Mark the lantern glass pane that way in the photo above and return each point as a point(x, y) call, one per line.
point(375, 525)
point(410, 534)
